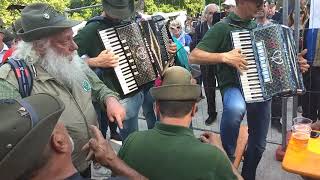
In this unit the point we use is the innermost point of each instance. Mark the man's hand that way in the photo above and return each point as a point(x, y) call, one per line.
point(316, 126)
point(115, 111)
point(304, 66)
point(235, 59)
point(105, 59)
point(99, 148)
point(210, 138)
point(172, 49)
point(213, 139)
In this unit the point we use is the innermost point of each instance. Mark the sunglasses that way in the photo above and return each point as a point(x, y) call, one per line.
point(173, 28)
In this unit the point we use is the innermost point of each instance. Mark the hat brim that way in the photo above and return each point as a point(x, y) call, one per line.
point(30, 148)
point(176, 92)
point(42, 32)
point(120, 13)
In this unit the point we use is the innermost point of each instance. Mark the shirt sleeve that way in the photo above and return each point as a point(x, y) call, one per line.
point(213, 39)
point(99, 90)
point(224, 169)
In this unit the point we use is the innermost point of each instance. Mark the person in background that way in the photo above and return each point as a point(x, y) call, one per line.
point(170, 150)
point(208, 75)
point(229, 6)
point(178, 33)
point(31, 125)
point(15, 27)
point(188, 27)
point(310, 101)
point(3, 47)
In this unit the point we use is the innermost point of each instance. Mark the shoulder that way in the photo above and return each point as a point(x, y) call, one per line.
point(7, 74)
point(88, 29)
point(132, 139)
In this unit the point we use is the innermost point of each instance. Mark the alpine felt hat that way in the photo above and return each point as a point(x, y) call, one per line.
point(26, 126)
point(177, 85)
point(119, 9)
point(40, 20)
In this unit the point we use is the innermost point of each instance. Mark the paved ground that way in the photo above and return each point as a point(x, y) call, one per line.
point(269, 168)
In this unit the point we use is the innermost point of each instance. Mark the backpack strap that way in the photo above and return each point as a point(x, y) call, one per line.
point(23, 75)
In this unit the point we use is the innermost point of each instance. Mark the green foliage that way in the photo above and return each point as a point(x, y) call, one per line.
point(9, 16)
point(150, 6)
point(191, 6)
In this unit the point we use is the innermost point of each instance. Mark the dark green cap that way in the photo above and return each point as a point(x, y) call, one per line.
point(26, 127)
point(40, 20)
point(119, 9)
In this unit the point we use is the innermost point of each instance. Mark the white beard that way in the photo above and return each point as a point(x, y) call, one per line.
point(67, 70)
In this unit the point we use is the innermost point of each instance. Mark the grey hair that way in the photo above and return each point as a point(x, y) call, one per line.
point(205, 10)
point(30, 52)
point(175, 23)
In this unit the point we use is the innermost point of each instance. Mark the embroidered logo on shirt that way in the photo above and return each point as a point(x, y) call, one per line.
point(86, 86)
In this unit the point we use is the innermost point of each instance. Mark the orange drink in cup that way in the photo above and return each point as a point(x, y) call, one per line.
point(301, 130)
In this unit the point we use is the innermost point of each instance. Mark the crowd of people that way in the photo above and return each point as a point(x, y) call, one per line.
point(59, 94)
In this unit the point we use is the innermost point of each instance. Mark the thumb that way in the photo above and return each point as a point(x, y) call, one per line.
point(304, 52)
point(93, 144)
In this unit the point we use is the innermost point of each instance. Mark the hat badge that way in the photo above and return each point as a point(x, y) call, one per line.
point(46, 16)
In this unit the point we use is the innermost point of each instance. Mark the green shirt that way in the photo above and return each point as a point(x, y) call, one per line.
point(218, 40)
point(90, 44)
point(173, 153)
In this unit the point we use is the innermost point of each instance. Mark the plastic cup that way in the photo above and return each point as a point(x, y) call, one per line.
point(301, 130)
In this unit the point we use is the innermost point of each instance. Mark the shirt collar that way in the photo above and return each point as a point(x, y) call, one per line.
point(5, 48)
point(173, 129)
point(42, 75)
point(246, 23)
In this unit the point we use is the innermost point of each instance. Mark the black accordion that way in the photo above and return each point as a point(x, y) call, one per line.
point(273, 68)
point(142, 51)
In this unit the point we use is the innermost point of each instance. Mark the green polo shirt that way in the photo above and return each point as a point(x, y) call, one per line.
point(218, 40)
point(90, 44)
point(173, 153)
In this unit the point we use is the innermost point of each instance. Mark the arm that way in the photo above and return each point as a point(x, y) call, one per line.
point(103, 153)
point(232, 58)
point(205, 52)
point(213, 139)
point(106, 97)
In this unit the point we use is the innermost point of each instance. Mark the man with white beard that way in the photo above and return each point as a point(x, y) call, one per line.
point(49, 51)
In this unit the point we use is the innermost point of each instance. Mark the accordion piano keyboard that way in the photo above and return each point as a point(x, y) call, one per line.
point(123, 71)
point(251, 85)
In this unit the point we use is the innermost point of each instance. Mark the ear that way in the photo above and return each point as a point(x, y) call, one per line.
point(59, 143)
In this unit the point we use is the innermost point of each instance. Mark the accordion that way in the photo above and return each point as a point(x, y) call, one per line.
point(273, 68)
point(142, 56)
